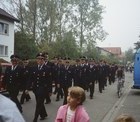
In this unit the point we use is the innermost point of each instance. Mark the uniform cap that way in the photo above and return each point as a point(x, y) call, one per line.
point(40, 55)
point(14, 56)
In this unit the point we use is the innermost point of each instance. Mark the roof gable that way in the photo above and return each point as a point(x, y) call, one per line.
point(4, 14)
point(114, 50)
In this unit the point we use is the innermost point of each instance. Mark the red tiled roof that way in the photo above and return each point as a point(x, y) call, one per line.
point(114, 50)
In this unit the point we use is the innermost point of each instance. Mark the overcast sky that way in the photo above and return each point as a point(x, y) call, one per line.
point(122, 22)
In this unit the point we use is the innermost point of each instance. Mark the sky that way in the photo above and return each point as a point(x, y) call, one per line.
point(121, 20)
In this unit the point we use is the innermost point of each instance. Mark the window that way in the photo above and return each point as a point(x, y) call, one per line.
point(3, 50)
point(1, 27)
point(4, 28)
point(6, 50)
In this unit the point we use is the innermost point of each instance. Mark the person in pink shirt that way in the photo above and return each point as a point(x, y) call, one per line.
point(73, 111)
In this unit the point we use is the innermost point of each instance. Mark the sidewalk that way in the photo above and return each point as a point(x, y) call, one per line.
point(129, 103)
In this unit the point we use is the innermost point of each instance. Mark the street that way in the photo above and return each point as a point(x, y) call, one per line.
point(104, 107)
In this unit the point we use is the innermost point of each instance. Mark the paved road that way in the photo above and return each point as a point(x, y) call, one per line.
point(102, 108)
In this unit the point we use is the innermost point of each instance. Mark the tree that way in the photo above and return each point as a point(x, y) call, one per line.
point(137, 45)
point(91, 51)
point(85, 21)
point(129, 55)
point(69, 46)
point(65, 48)
point(24, 45)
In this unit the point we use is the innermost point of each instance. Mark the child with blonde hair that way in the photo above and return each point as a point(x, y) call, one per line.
point(73, 111)
point(124, 118)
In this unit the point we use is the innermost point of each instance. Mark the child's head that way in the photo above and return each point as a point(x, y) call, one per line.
point(124, 118)
point(77, 93)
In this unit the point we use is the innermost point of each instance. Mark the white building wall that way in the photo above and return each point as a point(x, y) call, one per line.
point(104, 53)
point(8, 40)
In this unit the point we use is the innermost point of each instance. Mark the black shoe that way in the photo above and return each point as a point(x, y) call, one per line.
point(91, 97)
point(54, 92)
point(57, 99)
point(35, 120)
point(48, 102)
point(21, 103)
point(43, 118)
point(27, 100)
point(101, 92)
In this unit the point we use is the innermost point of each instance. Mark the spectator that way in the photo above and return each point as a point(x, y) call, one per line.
point(9, 111)
point(73, 111)
point(124, 118)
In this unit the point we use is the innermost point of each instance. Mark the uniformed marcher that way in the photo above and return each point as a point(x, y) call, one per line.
point(40, 82)
point(25, 82)
point(77, 72)
point(49, 65)
point(60, 79)
point(55, 75)
point(100, 69)
point(83, 74)
point(13, 79)
point(92, 77)
point(66, 82)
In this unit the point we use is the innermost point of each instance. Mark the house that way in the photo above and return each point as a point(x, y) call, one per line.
point(112, 51)
point(115, 50)
point(6, 34)
point(104, 52)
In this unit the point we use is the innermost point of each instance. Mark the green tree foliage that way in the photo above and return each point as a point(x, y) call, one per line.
point(65, 48)
point(69, 47)
point(91, 51)
point(129, 55)
point(85, 17)
point(25, 46)
point(137, 45)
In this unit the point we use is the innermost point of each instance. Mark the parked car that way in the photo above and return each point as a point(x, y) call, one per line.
point(3, 67)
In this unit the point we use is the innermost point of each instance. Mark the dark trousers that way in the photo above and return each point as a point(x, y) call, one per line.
point(65, 90)
point(40, 108)
point(47, 97)
point(92, 87)
point(59, 93)
point(113, 78)
point(24, 96)
point(101, 85)
point(109, 79)
point(13, 96)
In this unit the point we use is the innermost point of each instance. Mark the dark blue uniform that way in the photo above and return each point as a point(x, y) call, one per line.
point(40, 76)
point(25, 82)
point(13, 80)
point(49, 66)
point(92, 78)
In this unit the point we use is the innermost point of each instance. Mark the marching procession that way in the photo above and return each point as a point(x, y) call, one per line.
point(55, 77)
